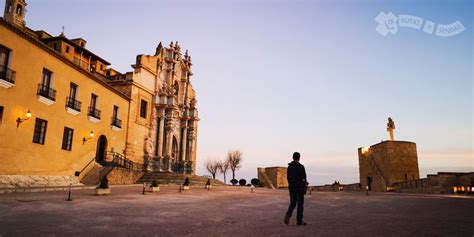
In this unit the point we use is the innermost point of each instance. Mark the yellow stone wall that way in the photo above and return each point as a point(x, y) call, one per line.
point(138, 127)
point(18, 154)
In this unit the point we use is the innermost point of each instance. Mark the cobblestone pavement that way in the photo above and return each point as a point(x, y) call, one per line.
point(231, 211)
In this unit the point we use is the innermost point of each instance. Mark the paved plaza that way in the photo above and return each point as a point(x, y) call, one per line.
point(231, 211)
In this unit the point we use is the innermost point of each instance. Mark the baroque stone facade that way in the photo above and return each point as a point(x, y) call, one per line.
point(164, 138)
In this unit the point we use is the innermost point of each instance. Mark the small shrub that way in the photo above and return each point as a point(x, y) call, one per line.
point(242, 182)
point(248, 185)
point(208, 182)
point(234, 181)
point(154, 183)
point(255, 182)
point(104, 183)
point(186, 182)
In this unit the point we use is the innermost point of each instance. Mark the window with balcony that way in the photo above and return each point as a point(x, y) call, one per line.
point(45, 93)
point(73, 106)
point(143, 108)
point(67, 138)
point(116, 122)
point(7, 76)
point(39, 134)
point(94, 113)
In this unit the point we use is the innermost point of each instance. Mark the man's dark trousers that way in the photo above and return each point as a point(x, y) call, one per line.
point(296, 198)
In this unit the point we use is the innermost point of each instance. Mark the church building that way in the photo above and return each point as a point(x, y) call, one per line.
point(65, 113)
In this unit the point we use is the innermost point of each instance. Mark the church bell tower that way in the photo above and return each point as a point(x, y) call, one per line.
point(15, 12)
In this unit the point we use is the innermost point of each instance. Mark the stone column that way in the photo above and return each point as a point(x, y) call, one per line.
point(169, 144)
point(160, 136)
point(169, 139)
point(191, 144)
point(183, 143)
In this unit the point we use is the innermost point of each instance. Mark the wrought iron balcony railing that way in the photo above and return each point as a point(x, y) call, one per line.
point(73, 104)
point(7, 74)
point(94, 112)
point(116, 122)
point(47, 92)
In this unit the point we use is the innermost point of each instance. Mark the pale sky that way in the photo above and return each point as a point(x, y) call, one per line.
point(274, 77)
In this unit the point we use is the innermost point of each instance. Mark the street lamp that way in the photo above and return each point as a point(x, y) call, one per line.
point(20, 120)
point(91, 135)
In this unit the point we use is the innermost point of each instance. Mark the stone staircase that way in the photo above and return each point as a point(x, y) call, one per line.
point(93, 176)
point(172, 178)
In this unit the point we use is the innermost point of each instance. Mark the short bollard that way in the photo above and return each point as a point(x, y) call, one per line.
point(69, 192)
point(180, 188)
point(310, 189)
point(251, 188)
point(367, 189)
point(143, 189)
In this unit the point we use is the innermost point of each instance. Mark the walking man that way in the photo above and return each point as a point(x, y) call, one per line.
point(297, 184)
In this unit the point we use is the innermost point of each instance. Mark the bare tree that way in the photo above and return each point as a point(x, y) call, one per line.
point(212, 167)
point(235, 161)
point(224, 167)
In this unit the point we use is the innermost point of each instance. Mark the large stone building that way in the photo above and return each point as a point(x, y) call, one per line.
point(273, 177)
point(383, 164)
point(63, 109)
point(388, 162)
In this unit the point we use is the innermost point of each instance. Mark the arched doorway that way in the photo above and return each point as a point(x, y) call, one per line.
point(101, 149)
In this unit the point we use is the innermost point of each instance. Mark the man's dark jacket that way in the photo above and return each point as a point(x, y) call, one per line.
point(296, 175)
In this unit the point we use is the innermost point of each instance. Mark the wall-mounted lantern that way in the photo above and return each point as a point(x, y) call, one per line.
point(21, 120)
point(91, 135)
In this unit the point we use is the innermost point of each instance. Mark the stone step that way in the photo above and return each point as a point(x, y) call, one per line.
point(93, 176)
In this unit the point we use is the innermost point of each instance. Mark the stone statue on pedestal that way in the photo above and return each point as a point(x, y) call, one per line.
point(390, 128)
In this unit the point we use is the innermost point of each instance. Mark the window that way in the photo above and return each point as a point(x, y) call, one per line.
point(143, 108)
point(1, 114)
point(115, 113)
point(55, 47)
point(93, 101)
point(46, 80)
point(93, 111)
point(44, 88)
point(102, 67)
point(9, 8)
point(115, 120)
point(4, 57)
point(19, 9)
point(67, 49)
point(40, 131)
point(67, 138)
point(71, 100)
point(73, 91)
